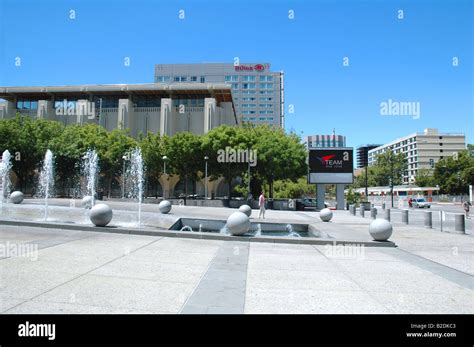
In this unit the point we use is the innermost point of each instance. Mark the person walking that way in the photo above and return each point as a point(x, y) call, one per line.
point(465, 206)
point(261, 204)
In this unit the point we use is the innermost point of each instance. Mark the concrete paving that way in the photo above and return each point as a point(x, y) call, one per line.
point(68, 271)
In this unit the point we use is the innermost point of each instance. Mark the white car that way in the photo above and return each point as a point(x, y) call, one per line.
point(421, 203)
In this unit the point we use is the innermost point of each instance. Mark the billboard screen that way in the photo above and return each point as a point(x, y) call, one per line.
point(331, 165)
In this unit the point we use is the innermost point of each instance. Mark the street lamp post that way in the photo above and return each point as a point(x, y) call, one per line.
point(248, 187)
point(391, 179)
point(206, 158)
point(165, 158)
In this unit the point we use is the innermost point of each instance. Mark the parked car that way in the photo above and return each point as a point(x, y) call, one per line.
point(420, 203)
point(303, 203)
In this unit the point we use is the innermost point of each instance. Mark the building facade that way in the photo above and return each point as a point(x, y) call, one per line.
point(422, 150)
point(363, 155)
point(258, 92)
point(325, 141)
point(142, 108)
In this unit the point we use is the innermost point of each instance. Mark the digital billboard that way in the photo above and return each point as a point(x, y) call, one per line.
point(331, 165)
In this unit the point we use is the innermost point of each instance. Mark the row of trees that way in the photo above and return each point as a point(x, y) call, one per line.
point(280, 156)
point(452, 174)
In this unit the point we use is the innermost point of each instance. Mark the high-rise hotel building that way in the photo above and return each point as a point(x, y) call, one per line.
point(257, 92)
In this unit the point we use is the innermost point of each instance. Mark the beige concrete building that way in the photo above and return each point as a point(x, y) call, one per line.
point(422, 150)
point(150, 107)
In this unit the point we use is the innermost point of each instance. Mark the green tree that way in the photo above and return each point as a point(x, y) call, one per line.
point(154, 147)
point(280, 155)
point(454, 174)
point(389, 168)
point(288, 189)
point(425, 178)
point(216, 141)
point(186, 157)
point(27, 140)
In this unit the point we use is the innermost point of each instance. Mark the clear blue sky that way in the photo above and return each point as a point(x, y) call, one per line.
point(402, 60)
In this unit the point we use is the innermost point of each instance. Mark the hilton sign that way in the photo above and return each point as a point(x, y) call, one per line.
point(256, 67)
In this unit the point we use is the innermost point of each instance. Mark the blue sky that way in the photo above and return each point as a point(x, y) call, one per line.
point(389, 58)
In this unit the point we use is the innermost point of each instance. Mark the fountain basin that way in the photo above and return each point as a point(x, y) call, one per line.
point(267, 229)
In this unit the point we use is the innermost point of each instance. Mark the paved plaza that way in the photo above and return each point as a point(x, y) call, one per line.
point(73, 271)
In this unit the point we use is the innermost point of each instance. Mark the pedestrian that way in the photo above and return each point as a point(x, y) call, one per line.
point(261, 204)
point(410, 202)
point(466, 205)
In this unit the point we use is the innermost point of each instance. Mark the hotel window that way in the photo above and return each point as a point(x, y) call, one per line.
point(233, 78)
point(176, 78)
point(266, 85)
point(266, 99)
point(265, 105)
point(248, 92)
point(248, 85)
point(202, 79)
point(248, 112)
point(248, 99)
point(264, 78)
point(194, 78)
point(249, 105)
point(235, 86)
point(266, 92)
point(248, 78)
point(161, 79)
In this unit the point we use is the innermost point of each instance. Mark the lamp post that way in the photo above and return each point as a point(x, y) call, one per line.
point(165, 158)
point(206, 158)
point(248, 187)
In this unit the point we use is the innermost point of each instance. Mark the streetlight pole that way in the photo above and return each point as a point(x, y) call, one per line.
point(206, 158)
point(366, 184)
point(164, 163)
point(248, 187)
point(391, 178)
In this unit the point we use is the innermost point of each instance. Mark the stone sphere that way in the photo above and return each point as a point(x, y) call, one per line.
point(87, 202)
point(17, 197)
point(164, 206)
point(325, 214)
point(246, 209)
point(238, 223)
point(101, 215)
point(380, 229)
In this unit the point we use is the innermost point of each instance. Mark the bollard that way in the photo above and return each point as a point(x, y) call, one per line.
point(405, 216)
point(383, 205)
point(428, 219)
point(460, 223)
point(387, 214)
point(362, 210)
point(353, 211)
point(373, 213)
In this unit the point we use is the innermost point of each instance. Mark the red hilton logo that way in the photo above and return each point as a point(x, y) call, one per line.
point(257, 67)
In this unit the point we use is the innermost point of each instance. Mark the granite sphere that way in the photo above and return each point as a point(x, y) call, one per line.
point(246, 209)
point(325, 214)
point(238, 223)
point(380, 229)
point(87, 202)
point(101, 215)
point(164, 206)
point(17, 197)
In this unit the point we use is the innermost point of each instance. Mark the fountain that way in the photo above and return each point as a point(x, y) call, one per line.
point(258, 231)
point(46, 180)
point(135, 177)
point(90, 168)
point(292, 233)
point(5, 167)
